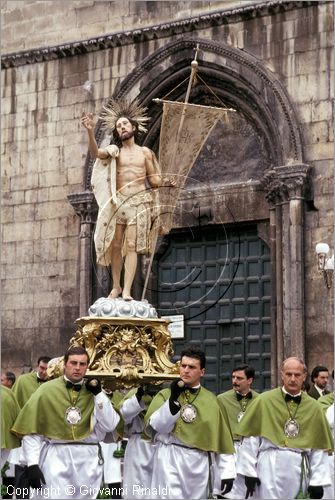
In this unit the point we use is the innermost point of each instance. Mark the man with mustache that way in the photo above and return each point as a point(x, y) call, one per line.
point(234, 404)
point(319, 378)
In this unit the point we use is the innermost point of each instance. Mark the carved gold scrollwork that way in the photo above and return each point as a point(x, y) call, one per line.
point(126, 351)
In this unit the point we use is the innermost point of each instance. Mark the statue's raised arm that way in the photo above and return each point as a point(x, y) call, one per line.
point(124, 180)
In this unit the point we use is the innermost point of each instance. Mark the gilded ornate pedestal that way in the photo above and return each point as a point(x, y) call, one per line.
point(126, 351)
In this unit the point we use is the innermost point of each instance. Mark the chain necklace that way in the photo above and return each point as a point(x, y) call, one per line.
point(243, 405)
point(73, 412)
point(188, 411)
point(291, 426)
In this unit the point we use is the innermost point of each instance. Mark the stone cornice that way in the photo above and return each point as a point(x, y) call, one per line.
point(199, 22)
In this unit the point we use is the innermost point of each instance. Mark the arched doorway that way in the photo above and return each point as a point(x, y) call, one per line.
point(218, 280)
point(271, 153)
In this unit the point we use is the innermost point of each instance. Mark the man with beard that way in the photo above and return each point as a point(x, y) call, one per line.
point(234, 404)
point(319, 378)
point(119, 182)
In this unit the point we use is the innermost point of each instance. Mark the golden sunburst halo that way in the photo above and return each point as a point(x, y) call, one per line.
point(124, 107)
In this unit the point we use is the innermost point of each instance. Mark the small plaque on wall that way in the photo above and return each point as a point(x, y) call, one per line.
point(176, 325)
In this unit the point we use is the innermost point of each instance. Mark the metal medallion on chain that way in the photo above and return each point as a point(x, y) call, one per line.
point(291, 428)
point(188, 413)
point(240, 416)
point(73, 415)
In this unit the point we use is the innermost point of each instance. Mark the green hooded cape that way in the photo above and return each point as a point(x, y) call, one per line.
point(326, 401)
point(25, 386)
point(44, 412)
point(230, 408)
point(9, 411)
point(208, 432)
point(146, 398)
point(267, 415)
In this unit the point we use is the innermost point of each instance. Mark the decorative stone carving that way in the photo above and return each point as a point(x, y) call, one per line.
point(296, 178)
point(85, 206)
point(275, 189)
point(286, 182)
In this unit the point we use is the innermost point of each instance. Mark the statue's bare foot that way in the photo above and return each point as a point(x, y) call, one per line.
point(115, 293)
point(126, 296)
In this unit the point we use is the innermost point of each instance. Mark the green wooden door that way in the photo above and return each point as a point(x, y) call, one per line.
point(219, 280)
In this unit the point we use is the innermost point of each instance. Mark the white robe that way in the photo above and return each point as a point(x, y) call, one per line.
point(329, 492)
point(112, 465)
point(72, 470)
point(4, 456)
point(239, 488)
point(279, 468)
point(179, 472)
point(138, 459)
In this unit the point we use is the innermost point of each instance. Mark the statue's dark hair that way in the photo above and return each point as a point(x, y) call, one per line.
point(116, 136)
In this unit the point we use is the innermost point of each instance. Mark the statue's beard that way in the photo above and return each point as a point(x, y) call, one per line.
point(127, 135)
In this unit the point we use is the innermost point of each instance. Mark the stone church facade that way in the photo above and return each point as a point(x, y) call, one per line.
point(261, 189)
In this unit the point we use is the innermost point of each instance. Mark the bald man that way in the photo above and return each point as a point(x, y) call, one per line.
point(285, 434)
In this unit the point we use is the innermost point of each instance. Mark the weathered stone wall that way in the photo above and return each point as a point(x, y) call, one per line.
point(44, 147)
point(30, 24)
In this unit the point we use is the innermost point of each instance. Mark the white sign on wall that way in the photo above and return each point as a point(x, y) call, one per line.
point(176, 325)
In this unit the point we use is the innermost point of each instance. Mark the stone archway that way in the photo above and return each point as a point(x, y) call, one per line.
point(244, 83)
point(238, 77)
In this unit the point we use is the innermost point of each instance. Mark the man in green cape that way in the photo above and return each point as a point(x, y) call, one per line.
point(327, 404)
point(28, 383)
point(188, 428)
point(287, 439)
point(138, 459)
point(24, 387)
point(9, 442)
point(9, 411)
point(62, 425)
point(234, 404)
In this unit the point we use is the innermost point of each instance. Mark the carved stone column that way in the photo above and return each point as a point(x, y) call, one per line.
point(286, 188)
point(85, 206)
